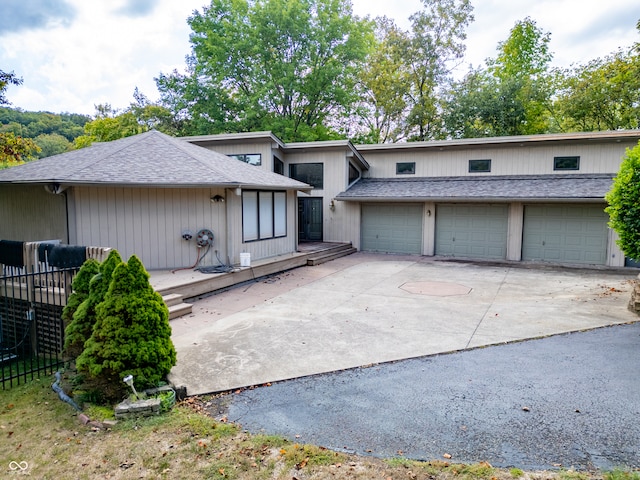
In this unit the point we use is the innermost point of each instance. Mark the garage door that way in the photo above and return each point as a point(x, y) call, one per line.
point(392, 228)
point(471, 231)
point(565, 234)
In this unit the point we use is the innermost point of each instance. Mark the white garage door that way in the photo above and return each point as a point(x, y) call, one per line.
point(471, 231)
point(392, 228)
point(565, 234)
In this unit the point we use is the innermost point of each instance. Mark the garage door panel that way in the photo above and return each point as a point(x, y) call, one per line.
point(392, 228)
point(565, 234)
point(472, 231)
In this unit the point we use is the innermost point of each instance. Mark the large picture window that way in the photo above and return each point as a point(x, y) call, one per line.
point(311, 173)
point(264, 215)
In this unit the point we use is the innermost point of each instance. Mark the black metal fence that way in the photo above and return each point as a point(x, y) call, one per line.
point(31, 326)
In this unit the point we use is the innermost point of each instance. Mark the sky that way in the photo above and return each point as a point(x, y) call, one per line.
point(75, 54)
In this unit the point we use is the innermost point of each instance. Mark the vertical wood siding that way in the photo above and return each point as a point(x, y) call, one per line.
point(29, 213)
point(513, 160)
point(149, 222)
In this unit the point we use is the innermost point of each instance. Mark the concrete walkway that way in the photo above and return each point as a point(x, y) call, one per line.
point(368, 308)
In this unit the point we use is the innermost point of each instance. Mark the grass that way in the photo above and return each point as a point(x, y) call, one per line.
point(39, 429)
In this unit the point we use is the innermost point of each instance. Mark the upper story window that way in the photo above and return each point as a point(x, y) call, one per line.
point(479, 166)
point(354, 174)
point(278, 166)
point(406, 168)
point(311, 173)
point(250, 158)
point(566, 163)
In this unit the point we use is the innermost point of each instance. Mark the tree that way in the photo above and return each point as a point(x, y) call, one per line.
point(52, 144)
point(512, 96)
point(624, 204)
point(431, 51)
point(77, 332)
point(604, 94)
point(6, 79)
point(384, 86)
point(16, 150)
point(84, 316)
point(110, 124)
point(132, 335)
point(282, 65)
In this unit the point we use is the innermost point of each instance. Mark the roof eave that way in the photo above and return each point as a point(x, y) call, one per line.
point(473, 199)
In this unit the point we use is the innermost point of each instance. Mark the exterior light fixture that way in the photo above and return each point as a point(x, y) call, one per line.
point(129, 381)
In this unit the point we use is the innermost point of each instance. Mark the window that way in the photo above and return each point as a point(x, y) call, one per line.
point(566, 163)
point(406, 168)
point(278, 166)
point(354, 174)
point(311, 173)
point(250, 158)
point(264, 215)
point(476, 166)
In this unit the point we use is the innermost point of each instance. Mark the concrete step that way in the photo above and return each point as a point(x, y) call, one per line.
point(172, 299)
point(332, 254)
point(179, 310)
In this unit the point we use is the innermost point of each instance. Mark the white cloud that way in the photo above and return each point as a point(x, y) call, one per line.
point(100, 53)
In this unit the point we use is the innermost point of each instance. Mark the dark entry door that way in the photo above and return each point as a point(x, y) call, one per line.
point(310, 219)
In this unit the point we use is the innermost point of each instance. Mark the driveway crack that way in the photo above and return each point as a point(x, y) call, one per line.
point(484, 315)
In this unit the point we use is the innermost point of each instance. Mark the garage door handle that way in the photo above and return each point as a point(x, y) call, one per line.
point(543, 243)
point(453, 239)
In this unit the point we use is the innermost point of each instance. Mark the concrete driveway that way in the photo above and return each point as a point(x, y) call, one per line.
point(372, 308)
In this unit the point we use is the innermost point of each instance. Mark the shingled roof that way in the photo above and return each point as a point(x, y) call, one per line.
point(148, 159)
point(493, 188)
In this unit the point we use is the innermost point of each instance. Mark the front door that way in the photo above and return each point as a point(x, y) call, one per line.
point(310, 219)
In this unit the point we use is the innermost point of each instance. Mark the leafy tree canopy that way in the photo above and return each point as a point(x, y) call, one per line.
point(110, 124)
point(624, 204)
point(283, 65)
point(16, 150)
point(512, 95)
point(6, 79)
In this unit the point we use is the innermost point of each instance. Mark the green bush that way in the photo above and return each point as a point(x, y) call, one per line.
point(91, 284)
point(624, 204)
point(131, 336)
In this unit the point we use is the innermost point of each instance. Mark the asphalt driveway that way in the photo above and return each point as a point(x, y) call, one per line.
point(367, 309)
point(567, 401)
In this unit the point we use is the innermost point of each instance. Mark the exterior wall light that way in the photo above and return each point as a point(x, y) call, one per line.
point(217, 199)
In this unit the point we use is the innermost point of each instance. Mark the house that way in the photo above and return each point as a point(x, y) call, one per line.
point(527, 198)
point(154, 196)
point(533, 198)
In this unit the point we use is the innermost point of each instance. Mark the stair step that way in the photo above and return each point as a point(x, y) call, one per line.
point(179, 310)
point(331, 255)
point(172, 299)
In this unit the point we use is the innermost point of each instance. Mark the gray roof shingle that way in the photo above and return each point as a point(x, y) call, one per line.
point(512, 187)
point(148, 159)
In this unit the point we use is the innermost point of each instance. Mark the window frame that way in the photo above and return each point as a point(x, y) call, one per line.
point(479, 161)
point(566, 158)
point(264, 215)
point(305, 179)
point(238, 156)
point(351, 177)
point(411, 171)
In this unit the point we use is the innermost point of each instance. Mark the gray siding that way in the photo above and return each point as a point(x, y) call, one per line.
point(29, 213)
point(508, 160)
point(149, 222)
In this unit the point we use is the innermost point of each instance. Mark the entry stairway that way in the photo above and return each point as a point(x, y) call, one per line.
point(177, 308)
point(340, 250)
point(185, 285)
